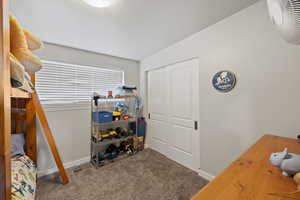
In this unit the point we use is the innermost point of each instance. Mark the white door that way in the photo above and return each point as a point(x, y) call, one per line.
point(174, 113)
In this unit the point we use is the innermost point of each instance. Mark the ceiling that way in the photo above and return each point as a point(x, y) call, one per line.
point(132, 29)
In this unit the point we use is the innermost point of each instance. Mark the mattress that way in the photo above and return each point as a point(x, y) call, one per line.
point(23, 178)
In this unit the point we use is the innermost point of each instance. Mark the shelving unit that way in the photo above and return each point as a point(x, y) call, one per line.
point(104, 134)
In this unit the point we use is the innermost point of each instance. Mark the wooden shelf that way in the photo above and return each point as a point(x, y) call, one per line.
point(18, 93)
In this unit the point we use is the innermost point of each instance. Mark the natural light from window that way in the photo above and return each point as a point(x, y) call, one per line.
point(62, 83)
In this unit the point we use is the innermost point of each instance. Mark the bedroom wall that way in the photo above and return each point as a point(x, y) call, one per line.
point(266, 98)
point(71, 126)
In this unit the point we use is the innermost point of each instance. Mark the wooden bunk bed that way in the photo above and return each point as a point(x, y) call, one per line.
point(33, 107)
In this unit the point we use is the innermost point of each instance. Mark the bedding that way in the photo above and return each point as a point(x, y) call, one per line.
point(17, 147)
point(23, 178)
point(19, 78)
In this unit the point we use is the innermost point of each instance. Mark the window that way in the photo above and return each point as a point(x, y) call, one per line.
point(61, 83)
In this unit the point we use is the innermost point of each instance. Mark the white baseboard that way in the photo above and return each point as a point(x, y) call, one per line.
point(206, 175)
point(66, 165)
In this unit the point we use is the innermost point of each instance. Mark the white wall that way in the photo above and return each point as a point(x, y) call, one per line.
point(71, 127)
point(266, 98)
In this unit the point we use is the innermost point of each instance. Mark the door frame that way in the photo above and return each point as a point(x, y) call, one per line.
point(146, 103)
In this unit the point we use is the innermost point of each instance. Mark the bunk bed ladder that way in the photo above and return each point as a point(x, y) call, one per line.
point(47, 131)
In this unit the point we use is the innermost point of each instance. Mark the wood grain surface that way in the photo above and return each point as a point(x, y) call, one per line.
point(252, 177)
point(31, 132)
point(5, 104)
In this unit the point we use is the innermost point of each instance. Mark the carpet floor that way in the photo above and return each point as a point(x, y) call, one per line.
point(147, 175)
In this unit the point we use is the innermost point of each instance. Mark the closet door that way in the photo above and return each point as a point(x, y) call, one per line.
point(158, 94)
point(173, 106)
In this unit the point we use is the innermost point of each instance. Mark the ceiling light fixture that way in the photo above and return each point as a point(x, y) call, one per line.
point(98, 3)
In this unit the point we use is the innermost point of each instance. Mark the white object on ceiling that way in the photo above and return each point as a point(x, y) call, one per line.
point(132, 29)
point(98, 3)
point(285, 15)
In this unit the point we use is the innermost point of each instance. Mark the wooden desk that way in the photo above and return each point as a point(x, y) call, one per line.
point(252, 177)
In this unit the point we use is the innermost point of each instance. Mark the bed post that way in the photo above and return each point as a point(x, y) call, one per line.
point(31, 136)
point(5, 105)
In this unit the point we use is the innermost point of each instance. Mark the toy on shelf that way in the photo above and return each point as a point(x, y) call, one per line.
point(97, 97)
point(116, 116)
point(119, 131)
point(126, 132)
point(125, 90)
point(112, 151)
point(121, 107)
point(110, 94)
point(113, 133)
point(127, 147)
point(110, 134)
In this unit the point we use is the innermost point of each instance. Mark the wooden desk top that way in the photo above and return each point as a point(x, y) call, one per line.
point(252, 177)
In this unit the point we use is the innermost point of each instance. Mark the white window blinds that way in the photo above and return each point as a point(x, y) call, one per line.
point(60, 83)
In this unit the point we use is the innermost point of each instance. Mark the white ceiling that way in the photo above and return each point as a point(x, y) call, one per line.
point(131, 29)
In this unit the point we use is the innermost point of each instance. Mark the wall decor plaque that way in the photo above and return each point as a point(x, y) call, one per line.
point(224, 81)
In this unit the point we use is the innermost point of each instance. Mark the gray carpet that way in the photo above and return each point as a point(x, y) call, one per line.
point(145, 176)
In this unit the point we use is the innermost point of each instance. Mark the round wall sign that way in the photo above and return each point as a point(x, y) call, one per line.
point(224, 81)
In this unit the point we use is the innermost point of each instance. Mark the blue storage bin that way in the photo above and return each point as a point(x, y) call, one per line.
point(102, 117)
